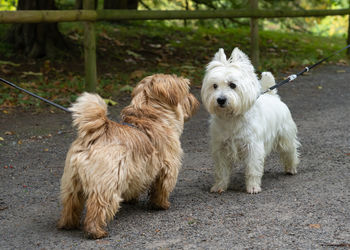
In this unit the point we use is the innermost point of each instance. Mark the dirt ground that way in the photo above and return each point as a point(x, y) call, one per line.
point(306, 211)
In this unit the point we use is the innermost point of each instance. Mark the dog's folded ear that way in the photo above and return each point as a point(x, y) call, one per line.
point(238, 56)
point(169, 88)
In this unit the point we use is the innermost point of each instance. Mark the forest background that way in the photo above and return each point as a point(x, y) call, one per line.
point(49, 60)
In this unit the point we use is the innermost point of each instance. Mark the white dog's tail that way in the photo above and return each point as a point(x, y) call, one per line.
point(267, 80)
point(89, 114)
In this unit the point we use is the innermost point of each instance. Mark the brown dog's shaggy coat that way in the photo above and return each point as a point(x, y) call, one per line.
point(111, 162)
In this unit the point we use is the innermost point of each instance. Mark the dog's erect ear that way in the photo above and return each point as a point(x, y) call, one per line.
point(220, 56)
point(169, 88)
point(238, 57)
point(218, 60)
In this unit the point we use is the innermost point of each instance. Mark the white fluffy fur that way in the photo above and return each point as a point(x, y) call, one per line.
point(246, 127)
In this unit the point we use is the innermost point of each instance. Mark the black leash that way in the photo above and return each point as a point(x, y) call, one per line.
point(307, 69)
point(52, 103)
point(36, 96)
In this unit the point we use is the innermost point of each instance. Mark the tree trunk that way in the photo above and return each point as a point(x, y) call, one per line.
point(120, 4)
point(37, 40)
point(79, 4)
point(348, 40)
point(254, 36)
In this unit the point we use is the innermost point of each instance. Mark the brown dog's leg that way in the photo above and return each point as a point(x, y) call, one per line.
point(73, 204)
point(99, 210)
point(162, 187)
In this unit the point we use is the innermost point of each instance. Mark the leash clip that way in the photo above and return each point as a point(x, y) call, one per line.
point(292, 77)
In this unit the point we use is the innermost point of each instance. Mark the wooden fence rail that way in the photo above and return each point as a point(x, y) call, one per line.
point(90, 16)
point(47, 16)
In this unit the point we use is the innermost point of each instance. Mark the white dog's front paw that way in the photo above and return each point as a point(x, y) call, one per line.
point(253, 189)
point(217, 189)
point(291, 171)
point(253, 184)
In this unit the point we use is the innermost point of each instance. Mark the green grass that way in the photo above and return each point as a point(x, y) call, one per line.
point(128, 52)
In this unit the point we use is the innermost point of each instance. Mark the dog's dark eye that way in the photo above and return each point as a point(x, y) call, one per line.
point(215, 86)
point(232, 85)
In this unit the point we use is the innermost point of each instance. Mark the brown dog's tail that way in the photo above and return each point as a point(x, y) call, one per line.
point(89, 114)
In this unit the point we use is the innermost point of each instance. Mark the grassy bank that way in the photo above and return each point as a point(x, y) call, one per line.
point(127, 53)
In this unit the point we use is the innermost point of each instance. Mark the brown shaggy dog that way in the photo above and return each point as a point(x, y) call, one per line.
point(111, 162)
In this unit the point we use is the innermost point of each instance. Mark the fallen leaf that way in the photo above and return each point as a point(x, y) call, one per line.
point(19, 142)
point(163, 64)
point(137, 74)
point(126, 88)
point(341, 71)
point(30, 73)
point(188, 67)
point(5, 70)
point(3, 207)
point(316, 226)
point(156, 46)
point(342, 62)
point(10, 63)
point(46, 149)
point(1, 139)
point(306, 62)
point(118, 43)
point(74, 37)
point(320, 52)
point(105, 36)
point(130, 60)
point(134, 54)
point(320, 87)
point(9, 133)
point(110, 102)
point(5, 111)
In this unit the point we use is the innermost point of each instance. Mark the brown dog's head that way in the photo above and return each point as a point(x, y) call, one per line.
point(168, 91)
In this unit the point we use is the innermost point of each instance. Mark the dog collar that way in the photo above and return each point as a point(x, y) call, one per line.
point(128, 124)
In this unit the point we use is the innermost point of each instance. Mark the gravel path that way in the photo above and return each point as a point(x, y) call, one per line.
point(306, 211)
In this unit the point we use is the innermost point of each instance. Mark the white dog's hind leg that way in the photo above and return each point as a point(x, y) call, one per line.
point(222, 170)
point(288, 149)
point(254, 168)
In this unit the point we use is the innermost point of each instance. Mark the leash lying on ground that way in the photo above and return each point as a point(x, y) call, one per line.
point(307, 69)
point(289, 79)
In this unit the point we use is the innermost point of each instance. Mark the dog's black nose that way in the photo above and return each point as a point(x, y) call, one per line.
point(221, 101)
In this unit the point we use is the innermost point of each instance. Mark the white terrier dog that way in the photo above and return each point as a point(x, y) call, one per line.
point(244, 125)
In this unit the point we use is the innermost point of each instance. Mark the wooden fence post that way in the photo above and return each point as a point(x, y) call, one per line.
point(90, 50)
point(348, 41)
point(254, 35)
